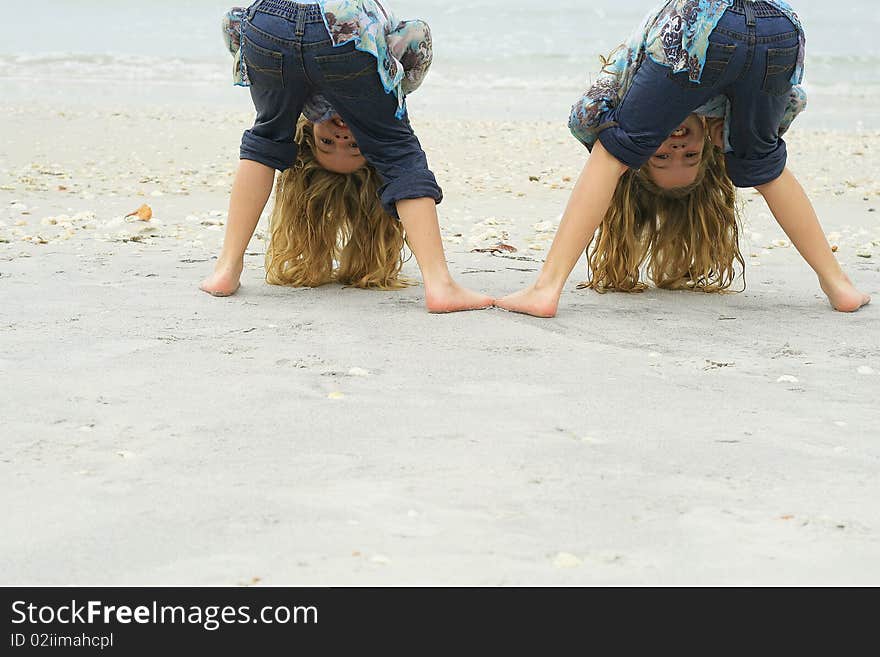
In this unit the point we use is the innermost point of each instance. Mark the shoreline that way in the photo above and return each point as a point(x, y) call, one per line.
point(828, 109)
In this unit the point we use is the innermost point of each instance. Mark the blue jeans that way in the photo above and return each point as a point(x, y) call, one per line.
point(752, 55)
point(289, 56)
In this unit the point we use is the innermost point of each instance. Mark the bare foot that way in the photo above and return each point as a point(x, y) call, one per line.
point(224, 282)
point(843, 295)
point(452, 297)
point(537, 302)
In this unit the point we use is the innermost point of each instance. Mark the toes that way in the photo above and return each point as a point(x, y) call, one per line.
point(219, 293)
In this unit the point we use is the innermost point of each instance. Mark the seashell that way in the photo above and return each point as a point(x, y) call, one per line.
point(144, 213)
point(787, 378)
point(336, 395)
point(358, 371)
point(501, 247)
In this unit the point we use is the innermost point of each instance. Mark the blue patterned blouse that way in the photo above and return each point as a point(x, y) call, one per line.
point(403, 49)
point(675, 34)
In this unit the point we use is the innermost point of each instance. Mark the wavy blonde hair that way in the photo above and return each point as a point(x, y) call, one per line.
point(689, 236)
point(329, 227)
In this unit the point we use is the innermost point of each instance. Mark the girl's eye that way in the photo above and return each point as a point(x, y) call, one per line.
point(690, 155)
point(354, 146)
point(662, 157)
point(326, 141)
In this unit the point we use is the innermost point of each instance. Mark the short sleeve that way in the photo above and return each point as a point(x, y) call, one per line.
point(410, 44)
point(231, 25)
point(797, 103)
point(231, 29)
point(587, 114)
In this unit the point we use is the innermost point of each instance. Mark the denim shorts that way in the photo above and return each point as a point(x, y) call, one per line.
point(289, 56)
point(751, 58)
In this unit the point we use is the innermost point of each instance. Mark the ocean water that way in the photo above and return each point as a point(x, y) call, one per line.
point(507, 58)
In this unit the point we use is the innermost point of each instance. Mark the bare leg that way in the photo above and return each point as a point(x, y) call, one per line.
point(250, 191)
point(442, 294)
point(789, 204)
point(586, 208)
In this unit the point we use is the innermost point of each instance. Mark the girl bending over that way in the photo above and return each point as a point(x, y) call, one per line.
point(692, 107)
point(352, 169)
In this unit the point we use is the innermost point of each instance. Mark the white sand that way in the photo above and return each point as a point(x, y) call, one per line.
point(155, 435)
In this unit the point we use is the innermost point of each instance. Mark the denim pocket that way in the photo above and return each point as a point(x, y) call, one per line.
point(781, 63)
point(265, 67)
point(718, 58)
point(352, 74)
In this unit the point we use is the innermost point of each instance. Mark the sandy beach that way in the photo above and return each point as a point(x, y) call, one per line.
point(156, 435)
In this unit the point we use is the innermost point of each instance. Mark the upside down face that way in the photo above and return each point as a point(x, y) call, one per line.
point(336, 148)
point(677, 162)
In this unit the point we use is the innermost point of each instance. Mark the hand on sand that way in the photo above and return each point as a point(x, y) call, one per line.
point(450, 297)
point(843, 295)
point(224, 282)
point(534, 301)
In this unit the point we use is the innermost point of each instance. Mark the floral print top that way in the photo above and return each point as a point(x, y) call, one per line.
point(403, 49)
point(676, 35)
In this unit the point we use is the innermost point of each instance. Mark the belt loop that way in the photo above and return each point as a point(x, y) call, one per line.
point(301, 15)
point(750, 13)
point(253, 9)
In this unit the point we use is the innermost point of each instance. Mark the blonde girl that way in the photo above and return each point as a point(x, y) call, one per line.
point(654, 181)
point(346, 62)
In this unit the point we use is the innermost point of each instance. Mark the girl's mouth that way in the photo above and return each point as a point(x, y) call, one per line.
point(682, 131)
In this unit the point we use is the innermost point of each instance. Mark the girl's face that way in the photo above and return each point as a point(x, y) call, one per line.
point(335, 147)
point(677, 162)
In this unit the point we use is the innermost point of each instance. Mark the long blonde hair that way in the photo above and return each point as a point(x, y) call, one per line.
point(329, 227)
point(688, 236)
